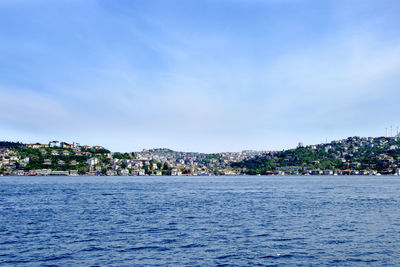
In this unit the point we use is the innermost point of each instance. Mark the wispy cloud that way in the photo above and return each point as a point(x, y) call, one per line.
point(189, 76)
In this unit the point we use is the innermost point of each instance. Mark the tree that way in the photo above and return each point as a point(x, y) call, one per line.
point(166, 167)
point(159, 165)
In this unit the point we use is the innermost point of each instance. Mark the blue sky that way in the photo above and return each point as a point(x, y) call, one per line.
point(195, 75)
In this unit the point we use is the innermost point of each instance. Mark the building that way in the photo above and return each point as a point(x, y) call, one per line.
point(92, 161)
point(123, 172)
point(60, 173)
point(54, 144)
point(34, 145)
point(66, 145)
point(73, 173)
point(176, 172)
point(111, 173)
point(43, 172)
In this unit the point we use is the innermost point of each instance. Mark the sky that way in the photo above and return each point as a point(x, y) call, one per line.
point(198, 75)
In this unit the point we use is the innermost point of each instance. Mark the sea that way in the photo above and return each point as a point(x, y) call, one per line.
point(200, 221)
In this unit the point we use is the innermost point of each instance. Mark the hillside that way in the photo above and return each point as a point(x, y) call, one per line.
point(354, 153)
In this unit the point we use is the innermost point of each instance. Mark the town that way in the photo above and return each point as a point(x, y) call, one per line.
point(61, 158)
point(351, 156)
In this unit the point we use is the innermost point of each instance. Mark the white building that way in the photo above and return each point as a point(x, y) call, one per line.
point(93, 161)
point(123, 172)
point(176, 172)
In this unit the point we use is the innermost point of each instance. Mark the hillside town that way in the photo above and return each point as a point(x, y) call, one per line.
point(351, 156)
point(73, 159)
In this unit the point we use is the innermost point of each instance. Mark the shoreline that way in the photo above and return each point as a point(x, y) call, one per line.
point(211, 175)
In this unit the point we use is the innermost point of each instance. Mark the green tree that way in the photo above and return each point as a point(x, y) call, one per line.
point(159, 165)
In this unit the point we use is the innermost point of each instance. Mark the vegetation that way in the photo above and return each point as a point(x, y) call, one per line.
point(7, 144)
point(354, 153)
point(118, 155)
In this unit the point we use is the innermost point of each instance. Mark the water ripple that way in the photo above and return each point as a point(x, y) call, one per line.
point(207, 221)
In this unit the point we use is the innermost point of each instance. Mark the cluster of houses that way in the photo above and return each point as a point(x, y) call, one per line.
point(60, 158)
point(95, 160)
point(330, 172)
point(356, 156)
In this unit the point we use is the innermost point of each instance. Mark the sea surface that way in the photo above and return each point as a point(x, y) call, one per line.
point(200, 221)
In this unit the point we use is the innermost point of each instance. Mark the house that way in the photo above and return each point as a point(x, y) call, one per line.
point(111, 173)
point(34, 145)
point(43, 152)
point(73, 163)
point(97, 147)
point(141, 172)
point(123, 172)
point(92, 161)
point(54, 144)
point(13, 158)
point(364, 172)
point(43, 172)
point(176, 172)
point(47, 162)
point(230, 172)
point(61, 162)
point(66, 145)
point(73, 173)
point(54, 153)
point(355, 165)
point(66, 153)
point(18, 172)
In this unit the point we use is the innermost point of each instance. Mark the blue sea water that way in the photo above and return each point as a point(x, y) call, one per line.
point(200, 221)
